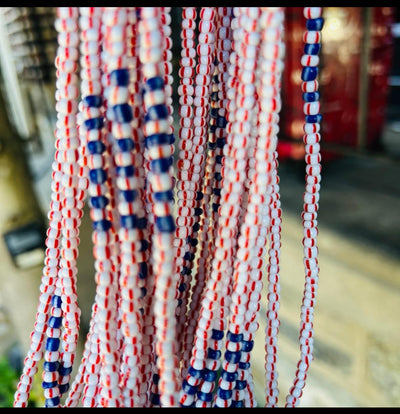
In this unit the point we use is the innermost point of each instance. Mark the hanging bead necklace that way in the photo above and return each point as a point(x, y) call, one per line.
point(181, 263)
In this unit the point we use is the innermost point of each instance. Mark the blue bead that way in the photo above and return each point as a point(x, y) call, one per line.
point(144, 245)
point(141, 223)
point(143, 270)
point(313, 119)
point(185, 271)
point(193, 242)
point(51, 366)
point(52, 402)
point(171, 138)
point(244, 365)
point(122, 113)
point(205, 396)
point(119, 77)
point(219, 158)
point(195, 373)
point(99, 202)
point(182, 287)
point(160, 165)
point(311, 96)
point(47, 385)
point(229, 376)
point(218, 176)
point(189, 389)
point(315, 24)
point(212, 145)
point(221, 142)
point(309, 73)
point(234, 337)
point(213, 353)
point(55, 321)
point(129, 221)
point(165, 224)
point(56, 301)
point(93, 101)
point(94, 123)
point(154, 399)
point(126, 144)
point(224, 394)
point(247, 346)
point(199, 195)
point(52, 344)
point(214, 112)
point(128, 195)
point(240, 384)
point(196, 227)
point(237, 404)
point(214, 96)
point(312, 48)
point(96, 147)
point(198, 211)
point(188, 256)
point(157, 82)
point(215, 207)
point(64, 370)
point(156, 112)
point(125, 171)
point(102, 225)
point(98, 176)
point(63, 388)
point(221, 122)
point(209, 375)
point(213, 128)
point(157, 139)
point(217, 191)
point(217, 334)
point(163, 195)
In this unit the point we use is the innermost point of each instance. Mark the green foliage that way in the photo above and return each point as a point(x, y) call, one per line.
point(8, 383)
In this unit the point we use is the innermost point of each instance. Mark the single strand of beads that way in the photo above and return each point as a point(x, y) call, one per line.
point(161, 184)
point(311, 109)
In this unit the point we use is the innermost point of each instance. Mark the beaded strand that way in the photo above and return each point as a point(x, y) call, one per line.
point(311, 139)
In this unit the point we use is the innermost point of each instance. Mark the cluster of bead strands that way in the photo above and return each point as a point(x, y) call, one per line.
point(312, 137)
point(117, 145)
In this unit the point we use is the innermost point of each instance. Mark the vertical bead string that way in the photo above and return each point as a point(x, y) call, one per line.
point(311, 139)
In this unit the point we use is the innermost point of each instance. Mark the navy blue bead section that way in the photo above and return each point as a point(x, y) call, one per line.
point(189, 389)
point(312, 48)
point(309, 73)
point(102, 225)
point(160, 165)
point(47, 384)
point(213, 353)
point(240, 384)
point(143, 270)
point(119, 77)
point(98, 176)
point(55, 321)
point(156, 112)
point(230, 336)
point(93, 123)
point(205, 396)
point(99, 201)
point(217, 334)
point(157, 139)
point(52, 344)
point(63, 388)
point(122, 113)
point(315, 24)
point(236, 404)
point(65, 370)
point(52, 402)
point(209, 375)
point(165, 224)
point(311, 96)
point(56, 301)
point(313, 119)
point(229, 376)
point(129, 221)
point(163, 195)
point(96, 147)
point(224, 394)
point(125, 171)
point(152, 84)
point(94, 101)
point(51, 366)
point(125, 144)
point(128, 195)
point(247, 346)
point(195, 373)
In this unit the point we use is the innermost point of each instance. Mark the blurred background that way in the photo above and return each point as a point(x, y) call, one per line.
point(357, 335)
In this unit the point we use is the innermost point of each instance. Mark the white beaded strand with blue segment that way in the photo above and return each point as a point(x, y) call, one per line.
point(184, 248)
